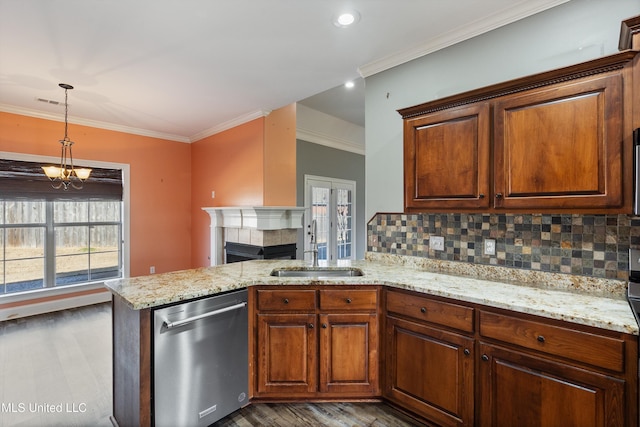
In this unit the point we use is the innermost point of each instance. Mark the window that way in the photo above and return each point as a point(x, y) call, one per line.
point(53, 238)
point(330, 202)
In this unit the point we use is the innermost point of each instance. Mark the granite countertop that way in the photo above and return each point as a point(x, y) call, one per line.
point(578, 299)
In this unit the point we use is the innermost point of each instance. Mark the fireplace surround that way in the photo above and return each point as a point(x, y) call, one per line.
point(260, 231)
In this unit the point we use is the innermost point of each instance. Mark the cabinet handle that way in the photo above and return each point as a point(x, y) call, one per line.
point(485, 357)
point(423, 310)
point(540, 338)
point(348, 300)
point(324, 326)
point(498, 195)
point(286, 300)
point(481, 196)
point(310, 325)
point(467, 352)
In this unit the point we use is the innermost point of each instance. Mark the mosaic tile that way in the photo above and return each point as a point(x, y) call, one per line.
point(588, 245)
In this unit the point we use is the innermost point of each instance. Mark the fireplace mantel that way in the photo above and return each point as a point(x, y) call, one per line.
point(263, 218)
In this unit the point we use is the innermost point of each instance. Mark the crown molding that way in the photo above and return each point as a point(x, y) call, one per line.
point(230, 124)
point(480, 26)
point(92, 123)
point(329, 141)
point(136, 131)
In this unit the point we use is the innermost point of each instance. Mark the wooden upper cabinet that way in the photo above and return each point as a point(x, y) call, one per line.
point(447, 159)
point(560, 147)
point(559, 141)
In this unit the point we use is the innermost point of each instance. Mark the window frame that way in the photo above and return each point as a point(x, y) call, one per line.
point(54, 291)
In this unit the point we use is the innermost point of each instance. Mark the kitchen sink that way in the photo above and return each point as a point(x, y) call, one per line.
point(317, 272)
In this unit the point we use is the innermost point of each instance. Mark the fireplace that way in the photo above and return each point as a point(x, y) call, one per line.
point(258, 232)
point(236, 252)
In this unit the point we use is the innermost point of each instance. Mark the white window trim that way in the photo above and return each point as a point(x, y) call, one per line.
point(126, 236)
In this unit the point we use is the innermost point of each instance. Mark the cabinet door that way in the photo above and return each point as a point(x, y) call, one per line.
point(349, 354)
point(430, 372)
point(286, 354)
point(560, 147)
point(446, 159)
point(520, 390)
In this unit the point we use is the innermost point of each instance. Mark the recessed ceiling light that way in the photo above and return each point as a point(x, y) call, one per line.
point(349, 84)
point(346, 19)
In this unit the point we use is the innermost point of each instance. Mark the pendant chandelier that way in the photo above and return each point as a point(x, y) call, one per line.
point(66, 174)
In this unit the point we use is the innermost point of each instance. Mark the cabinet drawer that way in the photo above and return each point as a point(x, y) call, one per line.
point(350, 299)
point(596, 350)
point(286, 300)
point(428, 310)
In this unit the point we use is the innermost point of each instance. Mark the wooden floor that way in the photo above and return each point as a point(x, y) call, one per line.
point(55, 370)
point(315, 415)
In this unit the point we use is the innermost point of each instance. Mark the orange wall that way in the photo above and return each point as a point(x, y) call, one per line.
point(229, 163)
point(253, 164)
point(280, 157)
point(160, 182)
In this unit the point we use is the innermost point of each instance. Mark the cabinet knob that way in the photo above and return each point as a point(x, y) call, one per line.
point(485, 357)
point(498, 195)
point(467, 352)
point(540, 338)
point(286, 300)
point(324, 326)
point(310, 325)
point(348, 300)
point(423, 310)
point(481, 196)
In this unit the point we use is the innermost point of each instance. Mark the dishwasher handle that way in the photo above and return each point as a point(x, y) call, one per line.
point(182, 322)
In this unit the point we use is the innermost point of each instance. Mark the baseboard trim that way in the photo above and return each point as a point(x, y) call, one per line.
point(48, 304)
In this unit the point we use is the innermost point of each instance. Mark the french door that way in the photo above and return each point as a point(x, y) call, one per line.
point(331, 203)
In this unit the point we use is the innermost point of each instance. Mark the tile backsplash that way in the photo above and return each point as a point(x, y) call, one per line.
point(588, 245)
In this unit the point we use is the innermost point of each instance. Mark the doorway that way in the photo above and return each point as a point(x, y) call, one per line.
point(331, 203)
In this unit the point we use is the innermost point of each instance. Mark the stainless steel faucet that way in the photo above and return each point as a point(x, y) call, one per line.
point(313, 242)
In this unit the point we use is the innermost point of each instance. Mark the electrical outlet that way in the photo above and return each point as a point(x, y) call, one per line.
point(436, 243)
point(489, 247)
point(152, 269)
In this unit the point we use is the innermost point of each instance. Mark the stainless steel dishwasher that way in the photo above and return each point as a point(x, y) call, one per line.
point(200, 366)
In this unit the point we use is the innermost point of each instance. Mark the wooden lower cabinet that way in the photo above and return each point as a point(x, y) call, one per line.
point(320, 347)
point(460, 364)
point(287, 346)
point(349, 354)
point(430, 372)
point(520, 390)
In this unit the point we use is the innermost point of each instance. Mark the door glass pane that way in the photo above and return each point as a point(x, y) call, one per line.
point(72, 254)
point(344, 214)
point(23, 259)
point(320, 213)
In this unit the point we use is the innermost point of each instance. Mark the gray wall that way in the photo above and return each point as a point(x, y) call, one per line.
point(315, 159)
point(573, 32)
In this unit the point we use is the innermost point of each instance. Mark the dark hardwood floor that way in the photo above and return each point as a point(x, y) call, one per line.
point(317, 414)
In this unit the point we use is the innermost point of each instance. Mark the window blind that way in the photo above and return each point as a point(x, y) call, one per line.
point(21, 179)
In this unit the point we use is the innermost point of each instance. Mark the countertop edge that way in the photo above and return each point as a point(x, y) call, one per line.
point(501, 295)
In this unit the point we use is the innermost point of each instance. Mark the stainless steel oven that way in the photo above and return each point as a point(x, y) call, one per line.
point(636, 168)
point(633, 295)
point(633, 290)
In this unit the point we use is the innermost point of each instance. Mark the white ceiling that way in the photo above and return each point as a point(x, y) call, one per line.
point(185, 69)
